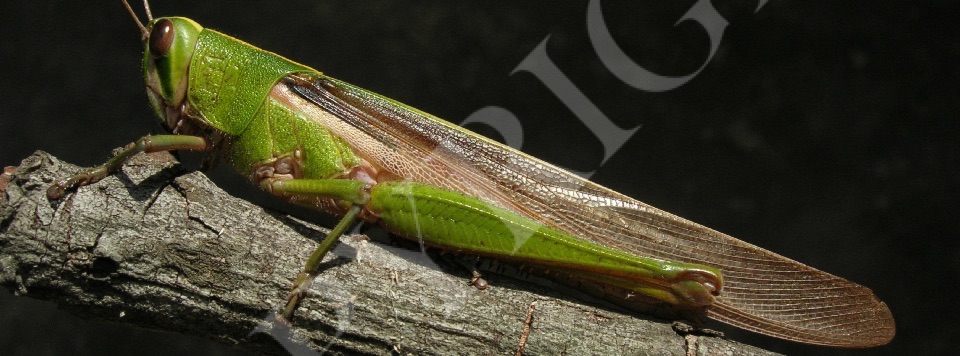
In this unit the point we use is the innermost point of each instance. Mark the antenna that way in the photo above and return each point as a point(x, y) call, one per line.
point(143, 30)
point(146, 6)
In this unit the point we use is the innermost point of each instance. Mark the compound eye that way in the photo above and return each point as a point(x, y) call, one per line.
point(161, 38)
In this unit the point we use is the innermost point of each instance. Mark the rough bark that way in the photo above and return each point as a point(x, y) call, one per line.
point(158, 247)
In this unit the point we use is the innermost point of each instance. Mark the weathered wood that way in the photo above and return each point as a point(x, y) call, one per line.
point(156, 246)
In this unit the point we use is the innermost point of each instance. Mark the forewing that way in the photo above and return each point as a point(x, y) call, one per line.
point(762, 291)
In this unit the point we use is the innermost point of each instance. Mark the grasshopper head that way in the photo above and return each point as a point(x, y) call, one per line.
point(169, 46)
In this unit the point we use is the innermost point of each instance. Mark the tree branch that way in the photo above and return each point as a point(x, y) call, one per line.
point(159, 247)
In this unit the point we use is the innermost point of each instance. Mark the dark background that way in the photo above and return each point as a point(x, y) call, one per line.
point(821, 130)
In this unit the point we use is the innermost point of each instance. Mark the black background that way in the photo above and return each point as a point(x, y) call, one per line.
point(821, 130)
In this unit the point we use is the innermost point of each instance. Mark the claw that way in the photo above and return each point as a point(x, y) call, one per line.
point(55, 191)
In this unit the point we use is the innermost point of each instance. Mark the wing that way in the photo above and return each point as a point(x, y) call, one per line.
point(763, 292)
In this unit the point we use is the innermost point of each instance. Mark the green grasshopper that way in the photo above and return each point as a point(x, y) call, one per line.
point(326, 144)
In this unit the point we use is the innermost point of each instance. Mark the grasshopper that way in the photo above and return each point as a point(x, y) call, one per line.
point(334, 147)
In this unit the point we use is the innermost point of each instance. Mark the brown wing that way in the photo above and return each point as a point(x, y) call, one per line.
point(763, 292)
